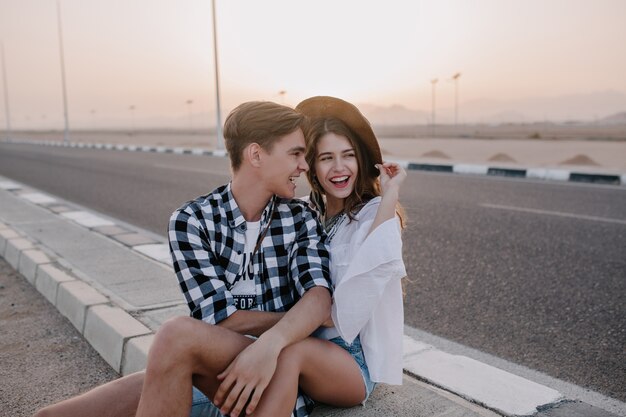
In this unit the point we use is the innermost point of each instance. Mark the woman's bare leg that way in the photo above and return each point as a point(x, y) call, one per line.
point(117, 398)
point(323, 370)
point(186, 350)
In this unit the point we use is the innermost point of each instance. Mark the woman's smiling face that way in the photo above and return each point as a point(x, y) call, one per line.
point(336, 166)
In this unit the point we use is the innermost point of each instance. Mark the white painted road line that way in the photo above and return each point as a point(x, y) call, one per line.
point(182, 168)
point(555, 213)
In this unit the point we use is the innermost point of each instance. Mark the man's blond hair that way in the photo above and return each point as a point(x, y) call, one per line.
point(261, 122)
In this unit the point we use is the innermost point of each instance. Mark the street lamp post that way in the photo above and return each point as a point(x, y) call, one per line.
point(433, 82)
point(189, 103)
point(455, 78)
point(65, 112)
point(218, 122)
point(6, 94)
point(132, 119)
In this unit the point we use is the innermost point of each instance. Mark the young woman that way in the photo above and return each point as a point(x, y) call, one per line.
point(356, 196)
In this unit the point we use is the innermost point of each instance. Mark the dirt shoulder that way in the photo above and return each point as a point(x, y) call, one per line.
point(44, 359)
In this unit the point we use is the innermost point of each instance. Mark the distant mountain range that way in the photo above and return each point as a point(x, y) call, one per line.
point(605, 108)
point(608, 107)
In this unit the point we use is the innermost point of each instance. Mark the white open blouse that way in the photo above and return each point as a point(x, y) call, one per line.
point(366, 272)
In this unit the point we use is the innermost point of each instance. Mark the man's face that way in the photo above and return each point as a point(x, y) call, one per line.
point(284, 164)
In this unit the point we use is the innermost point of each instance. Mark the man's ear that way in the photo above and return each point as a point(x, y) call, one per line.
point(253, 154)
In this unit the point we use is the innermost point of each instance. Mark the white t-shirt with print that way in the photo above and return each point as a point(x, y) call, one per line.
point(244, 288)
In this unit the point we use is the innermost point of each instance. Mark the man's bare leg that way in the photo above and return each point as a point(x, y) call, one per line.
point(186, 350)
point(117, 398)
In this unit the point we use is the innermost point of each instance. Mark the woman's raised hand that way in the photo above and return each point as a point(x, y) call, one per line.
point(392, 175)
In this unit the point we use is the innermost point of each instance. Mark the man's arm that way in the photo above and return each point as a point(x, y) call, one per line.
point(251, 372)
point(251, 322)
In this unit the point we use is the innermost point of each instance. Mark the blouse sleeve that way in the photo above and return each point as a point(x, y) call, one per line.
point(375, 262)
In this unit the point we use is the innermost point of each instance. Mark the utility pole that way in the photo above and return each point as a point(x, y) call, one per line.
point(455, 78)
point(218, 119)
point(6, 94)
point(65, 113)
point(432, 108)
point(189, 103)
point(132, 119)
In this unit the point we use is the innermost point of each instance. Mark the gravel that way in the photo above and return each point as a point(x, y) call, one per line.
point(44, 358)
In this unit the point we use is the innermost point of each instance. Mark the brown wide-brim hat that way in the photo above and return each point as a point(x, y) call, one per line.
point(325, 106)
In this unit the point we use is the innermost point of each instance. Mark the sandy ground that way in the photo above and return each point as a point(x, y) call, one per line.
point(44, 359)
point(497, 148)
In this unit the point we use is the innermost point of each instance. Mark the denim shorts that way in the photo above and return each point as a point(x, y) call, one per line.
point(201, 406)
point(356, 351)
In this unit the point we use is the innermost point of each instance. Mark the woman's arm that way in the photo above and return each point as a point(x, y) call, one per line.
point(392, 176)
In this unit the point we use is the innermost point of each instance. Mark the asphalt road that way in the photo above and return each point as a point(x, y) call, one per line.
point(533, 272)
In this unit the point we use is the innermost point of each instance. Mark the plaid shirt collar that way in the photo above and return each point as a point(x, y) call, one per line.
point(233, 214)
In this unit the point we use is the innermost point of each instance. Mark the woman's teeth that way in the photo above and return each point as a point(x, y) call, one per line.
point(338, 180)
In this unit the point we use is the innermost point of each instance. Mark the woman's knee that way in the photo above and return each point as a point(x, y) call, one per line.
point(294, 355)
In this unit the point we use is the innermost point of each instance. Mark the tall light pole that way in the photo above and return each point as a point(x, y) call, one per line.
point(282, 94)
point(6, 94)
point(433, 82)
point(455, 78)
point(218, 122)
point(132, 119)
point(65, 113)
point(189, 103)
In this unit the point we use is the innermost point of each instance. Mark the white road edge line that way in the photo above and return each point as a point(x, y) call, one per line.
point(554, 213)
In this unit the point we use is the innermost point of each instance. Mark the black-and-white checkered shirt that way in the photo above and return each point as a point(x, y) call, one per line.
point(207, 239)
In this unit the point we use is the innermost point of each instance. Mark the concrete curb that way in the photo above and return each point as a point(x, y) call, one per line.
point(107, 328)
point(551, 174)
point(124, 341)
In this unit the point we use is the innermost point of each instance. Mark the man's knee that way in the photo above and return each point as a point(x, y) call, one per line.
point(176, 339)
point(175, 332)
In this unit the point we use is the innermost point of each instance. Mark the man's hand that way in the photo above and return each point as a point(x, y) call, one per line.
point(247, 377)
point(252, 370)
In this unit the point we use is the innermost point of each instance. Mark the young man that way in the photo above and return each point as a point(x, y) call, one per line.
point(250, 261)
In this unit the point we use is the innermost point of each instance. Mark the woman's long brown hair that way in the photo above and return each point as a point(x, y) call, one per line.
point(366, 186)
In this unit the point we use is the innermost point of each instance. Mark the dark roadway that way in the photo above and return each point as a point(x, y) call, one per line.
point(533, 272)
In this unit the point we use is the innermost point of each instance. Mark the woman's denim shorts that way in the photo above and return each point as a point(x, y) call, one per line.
point(356, 351)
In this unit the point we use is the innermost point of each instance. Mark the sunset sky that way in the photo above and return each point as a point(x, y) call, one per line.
point(157, 54)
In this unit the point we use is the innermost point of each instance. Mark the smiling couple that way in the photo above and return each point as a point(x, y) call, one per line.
point(292, 301)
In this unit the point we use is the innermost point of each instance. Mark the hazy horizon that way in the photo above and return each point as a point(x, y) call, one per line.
point(518, 60)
